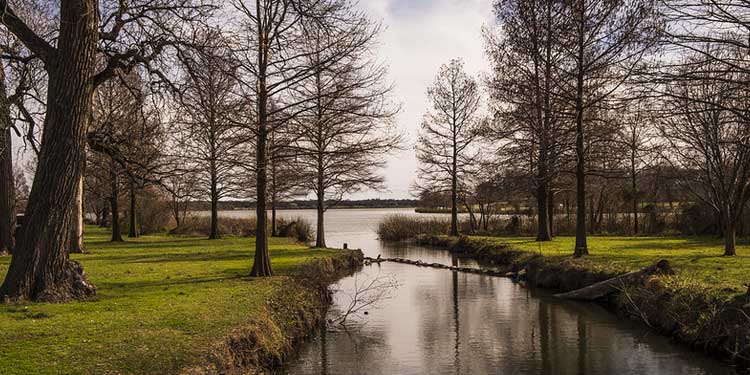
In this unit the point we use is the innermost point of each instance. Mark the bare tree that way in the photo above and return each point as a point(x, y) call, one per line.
point(705, 126)
point(7, 186)
point(523, 87)
point(272, 65)
point(604, 42)
point(209, 140)
point(449, 130)
point(347, 130)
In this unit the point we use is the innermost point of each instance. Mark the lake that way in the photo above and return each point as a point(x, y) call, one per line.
point(443, 322)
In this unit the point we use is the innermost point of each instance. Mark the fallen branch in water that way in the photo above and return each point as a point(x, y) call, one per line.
point(419, 263)
point(615, 284)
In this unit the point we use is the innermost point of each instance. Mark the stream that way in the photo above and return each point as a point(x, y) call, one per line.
point(443, 322)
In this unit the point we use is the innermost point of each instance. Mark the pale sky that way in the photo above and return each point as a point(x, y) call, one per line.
point(419, 36)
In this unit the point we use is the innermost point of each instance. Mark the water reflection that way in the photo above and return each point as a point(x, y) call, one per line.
point(444, 322)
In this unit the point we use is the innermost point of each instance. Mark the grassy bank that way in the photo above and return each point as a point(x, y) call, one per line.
point(168, 305)
point(704, 304)
point(697, 259)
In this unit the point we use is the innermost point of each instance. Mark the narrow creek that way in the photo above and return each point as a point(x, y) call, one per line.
point(444, 322)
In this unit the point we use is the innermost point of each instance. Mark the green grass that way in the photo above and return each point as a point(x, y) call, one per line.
point(696, 259)
point(161, 303)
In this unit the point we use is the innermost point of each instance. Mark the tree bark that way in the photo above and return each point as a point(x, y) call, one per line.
point(7, 186)
point(730, 237)
point(634, 187)
point(132, 218)
point(40, 270)
point(320, 238)
point(76, 243)
point(262, 262)
point(214, 233)
point(114, 204)
point(454, 200)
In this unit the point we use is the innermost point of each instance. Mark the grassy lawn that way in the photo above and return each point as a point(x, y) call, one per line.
point(161, 303)
point(695, 259)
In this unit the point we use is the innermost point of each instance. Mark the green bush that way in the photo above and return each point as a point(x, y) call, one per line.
point(297, 228)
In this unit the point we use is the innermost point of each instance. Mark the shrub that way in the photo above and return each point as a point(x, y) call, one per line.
point(152, 215)
point(297, 228)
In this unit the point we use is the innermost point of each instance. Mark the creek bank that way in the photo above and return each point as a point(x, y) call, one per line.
point(711, 321)
point(294, 312)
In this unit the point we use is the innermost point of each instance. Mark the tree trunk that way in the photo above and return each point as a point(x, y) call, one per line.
point(262, 262)
point(581, 248)
point(729, 237)
point(76, 243)
point(454, 201)
point(132, 218)
point(40, 270)
point(214, 233)
point(7, 187)
point(114, 204)
point(320, 238)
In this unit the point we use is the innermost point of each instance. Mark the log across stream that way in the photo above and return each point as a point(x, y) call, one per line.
point(588, 293)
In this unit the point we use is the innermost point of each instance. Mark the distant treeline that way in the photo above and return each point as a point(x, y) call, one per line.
point(307, 204)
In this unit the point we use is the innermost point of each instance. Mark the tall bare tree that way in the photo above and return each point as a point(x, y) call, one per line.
point(347, 130)
point(525, 53)
point(209, 140)
point(706, 126)
point(272, 66)
point(449, 130)
point(605, 41)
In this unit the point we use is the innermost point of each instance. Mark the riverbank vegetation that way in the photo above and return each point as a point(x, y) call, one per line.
point(168, 305)
point(620, 118)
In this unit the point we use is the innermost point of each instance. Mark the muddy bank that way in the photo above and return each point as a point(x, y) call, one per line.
point(293, 312)
point(711, 321)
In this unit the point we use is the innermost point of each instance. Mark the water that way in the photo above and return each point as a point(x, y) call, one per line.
point(443, 322)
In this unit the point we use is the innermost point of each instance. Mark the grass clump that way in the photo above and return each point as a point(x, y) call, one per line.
point(403, 227)
point(164, 304)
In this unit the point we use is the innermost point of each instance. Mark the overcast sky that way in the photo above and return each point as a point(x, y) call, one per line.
point(419, 36)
